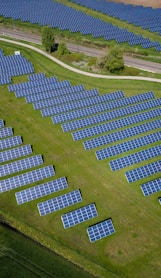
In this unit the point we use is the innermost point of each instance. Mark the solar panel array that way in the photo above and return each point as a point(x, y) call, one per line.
point(15, 153)
point(26, 178)
point(79, 104)
point(41, 190)
point(14, 65)
point(60, 118)
point(100, 230)
point(79, 215)
point(151, 187)
point(128, 145)
point(134, 158)
point(36, 76)
point(20, 165)
point(1, 123)
point(123, 122)
point(121, 134)
point(144, 171)
point(146, 17)
point(5, 132)
point(60, 16)
point(59, 202)
point(95, 119)
point(10, 142)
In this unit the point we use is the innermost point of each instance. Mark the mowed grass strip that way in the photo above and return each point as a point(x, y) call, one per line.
point(132, 247)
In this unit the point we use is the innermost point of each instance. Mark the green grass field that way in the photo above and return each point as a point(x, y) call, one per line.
point(134, 250)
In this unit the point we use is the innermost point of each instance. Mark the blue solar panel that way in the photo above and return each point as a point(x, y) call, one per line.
point(106, 127)
point(52, 93)
point(59, 202)
point(20, 165)
point(101, 107)
point(79, 215)
point(5, 132)
point(1, 123)
point(27, 178)
point(36, 76)
point(151, 187)
point(121, 134)
point(77, 104)
point(128, 145)
point(31, 84)
point(41, 88)
point(144, 171)
point(73, 93)
point(134, 158)
point(100, 230)
point(95, 119)
point(15, 153)
point(10, 142)
point(41, 190)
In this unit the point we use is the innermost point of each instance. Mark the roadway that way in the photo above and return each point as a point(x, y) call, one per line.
point(93, 52)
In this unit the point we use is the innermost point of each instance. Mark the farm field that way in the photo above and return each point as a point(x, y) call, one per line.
point(146, 3)
point(132, 249)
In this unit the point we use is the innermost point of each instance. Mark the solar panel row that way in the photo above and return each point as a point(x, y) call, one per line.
point(10, 142)
point(20, 165)
point(100, 230)
point(101, 107)
point(128, 145)
point(77, 104)
point(135, 158)
point(41, 190)
point(36, 76)
point(151, 187)
point(79, 215)
point(38, 89)
point(1, 123)
point(59, 202)
point(95, 119)
point(121, 134)
point(5, 132)
point(15, 153)
point(122, 122)
point(31, 84)
point(144, 171)
point(26, 178)
point(52, 93)
point(73, 94)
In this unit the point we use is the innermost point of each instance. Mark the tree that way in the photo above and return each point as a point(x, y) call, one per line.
point(113, 61)
point(62, 49)
point(47, 38)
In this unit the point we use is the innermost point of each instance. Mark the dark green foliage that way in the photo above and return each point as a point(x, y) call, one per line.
point(113, 61)
point(47, 38)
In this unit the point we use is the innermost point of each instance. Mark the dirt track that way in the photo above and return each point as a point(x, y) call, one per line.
point(147, 3)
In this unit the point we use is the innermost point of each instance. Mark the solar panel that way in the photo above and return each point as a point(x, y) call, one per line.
point(79, 215)
point(134, 158)
point(144, 171)
point(151, 187)
point(59, 202)
point(77, 104)
point(10, 142)
point(1, 123)
point(122, 122)
point(159, 199)
point(20, 165)
point(101, 107)
point(73, 94)
point(6, 131)
point(100, 230)
point(103, 117)
point(121, 134)
point(15, 153)
point(128, 145)
point(36, 76)
point(41, 190)
point(26, 178)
